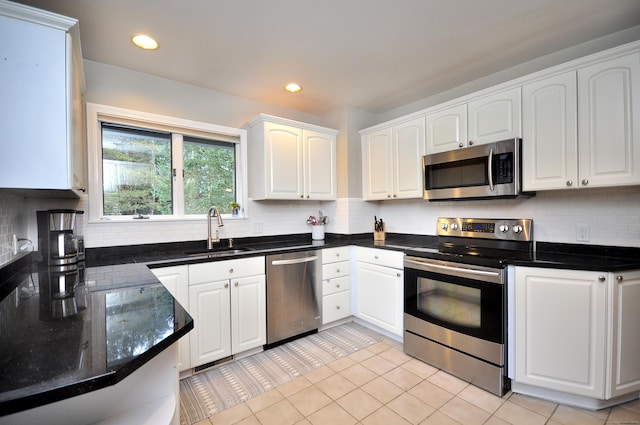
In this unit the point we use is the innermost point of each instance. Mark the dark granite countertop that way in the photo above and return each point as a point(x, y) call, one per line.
point(125, 316)
point(65, 333)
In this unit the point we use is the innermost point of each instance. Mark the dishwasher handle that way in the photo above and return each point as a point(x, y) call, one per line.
point(294, 261)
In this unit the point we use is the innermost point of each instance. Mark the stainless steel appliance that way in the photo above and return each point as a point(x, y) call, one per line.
point(477, 172)
point(294, 295)
point(455, 314)
point(58, 237)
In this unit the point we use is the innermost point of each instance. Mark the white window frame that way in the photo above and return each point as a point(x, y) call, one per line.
point(97, 114)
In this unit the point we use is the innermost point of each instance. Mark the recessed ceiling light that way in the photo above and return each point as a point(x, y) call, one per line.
point(292, 88)
point(144, 42)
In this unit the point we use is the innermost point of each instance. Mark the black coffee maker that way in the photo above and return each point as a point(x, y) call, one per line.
point(58, 239)
point(61, 273)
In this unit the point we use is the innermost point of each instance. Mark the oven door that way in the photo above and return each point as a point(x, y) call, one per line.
point(469, 300)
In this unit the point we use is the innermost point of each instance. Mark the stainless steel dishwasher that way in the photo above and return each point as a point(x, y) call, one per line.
point(294, 294)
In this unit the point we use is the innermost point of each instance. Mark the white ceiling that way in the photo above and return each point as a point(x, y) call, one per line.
point(373, 55)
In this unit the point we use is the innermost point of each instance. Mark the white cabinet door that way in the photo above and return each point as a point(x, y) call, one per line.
point(625, 337)
point(379, 296)
point(209, 305)
point(495, 117)
point(377, 166)
point(408, 148)
point(176, 280)
point(40, 103)
point(283, 161)
point(320, 162)
point(560, 330)
point(550, 133)
point(609, 122)
point(248, 313)
point(446, 130)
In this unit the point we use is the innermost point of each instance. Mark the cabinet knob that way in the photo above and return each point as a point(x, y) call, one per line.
point(226, 285)
point(395, 196)
point(569, 183)
point(236, 284)
point(337, 307)
point(337, 254)
point(375, 256)
point(388, 195)
point(230, 271)
point(398, 274)
point(619, 278)
point(307, 196)
point(460, 145)
point(602, 278)
point(337, 285)
point(470, 142)
point(337, 270)
point(585, 182)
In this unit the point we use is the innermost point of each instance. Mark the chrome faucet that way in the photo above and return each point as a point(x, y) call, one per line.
point(211, 239)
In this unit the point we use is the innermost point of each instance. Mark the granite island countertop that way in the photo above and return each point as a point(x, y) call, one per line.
point(66, 333)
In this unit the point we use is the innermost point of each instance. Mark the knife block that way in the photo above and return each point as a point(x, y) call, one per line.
point(380, 235)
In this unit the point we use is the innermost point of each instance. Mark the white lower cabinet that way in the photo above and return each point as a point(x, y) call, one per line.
point(379, 282)
point(227, 300)
point(336, 285)
point(176, 280)
point(576, 332)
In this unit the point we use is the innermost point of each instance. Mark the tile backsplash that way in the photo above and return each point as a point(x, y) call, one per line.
point(13, 221)
point(611, 214)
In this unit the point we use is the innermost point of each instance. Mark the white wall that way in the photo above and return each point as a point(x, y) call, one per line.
point(613, 215)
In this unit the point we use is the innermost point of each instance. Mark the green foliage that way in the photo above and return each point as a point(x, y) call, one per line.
point(137, 175)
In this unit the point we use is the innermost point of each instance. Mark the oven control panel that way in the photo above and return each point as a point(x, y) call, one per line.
point(487, 228)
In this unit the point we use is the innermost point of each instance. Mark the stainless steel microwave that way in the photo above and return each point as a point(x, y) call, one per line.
point(486, 171)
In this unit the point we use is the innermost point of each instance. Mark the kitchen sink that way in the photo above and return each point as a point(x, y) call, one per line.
point(217, 252)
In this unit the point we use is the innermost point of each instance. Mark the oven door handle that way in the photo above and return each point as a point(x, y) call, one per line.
point(494, 276)
point(490, 170)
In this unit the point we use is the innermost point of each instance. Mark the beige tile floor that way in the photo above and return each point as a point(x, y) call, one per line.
point(381, 385)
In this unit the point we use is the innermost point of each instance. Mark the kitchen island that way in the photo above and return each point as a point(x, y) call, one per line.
point(88, 345)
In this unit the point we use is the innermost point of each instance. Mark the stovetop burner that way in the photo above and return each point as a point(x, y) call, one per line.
point(481, 241)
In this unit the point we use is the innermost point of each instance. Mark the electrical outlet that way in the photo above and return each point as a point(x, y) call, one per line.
point(257, 227)
point(582, 232)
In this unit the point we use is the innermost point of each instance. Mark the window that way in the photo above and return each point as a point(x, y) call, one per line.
point(149, 166)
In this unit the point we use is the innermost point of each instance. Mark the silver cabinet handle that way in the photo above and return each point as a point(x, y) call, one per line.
point(398, 275)
point(226, 285)
point(602, 278)
point(569, 183)
point(236, 284)
point(337, 270)
point(470, 142)
point(460, 145)
point(585, 182)
point(230, 271)
point(337, 285)
point(619, 278)
point(337, 307)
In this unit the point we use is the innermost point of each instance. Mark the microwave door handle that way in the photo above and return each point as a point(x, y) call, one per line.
point(490, 171)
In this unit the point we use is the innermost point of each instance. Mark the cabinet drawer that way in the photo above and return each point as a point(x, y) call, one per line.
point(338, 284)
point(336, 306)
point(381, 257)
point(331, 255)
point(221, 270)
point(332, 270)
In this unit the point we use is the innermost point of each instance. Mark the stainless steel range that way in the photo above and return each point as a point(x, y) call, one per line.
point(455, 315)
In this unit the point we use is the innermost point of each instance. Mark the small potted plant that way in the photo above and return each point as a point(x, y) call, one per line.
point(235, 209)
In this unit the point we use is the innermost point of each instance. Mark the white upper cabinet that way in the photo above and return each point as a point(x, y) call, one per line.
point(41, 81)
point(581, 129)
point(495, 117)
point(550, 133)
point(609, 122)
point(392, 161)
point(291, 160)
point(446, 130)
